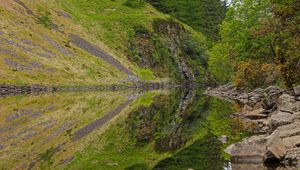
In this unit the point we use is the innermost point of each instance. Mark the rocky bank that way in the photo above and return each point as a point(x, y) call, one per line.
point(274, 116)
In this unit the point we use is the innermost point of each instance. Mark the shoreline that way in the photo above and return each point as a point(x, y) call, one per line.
point(12, 90)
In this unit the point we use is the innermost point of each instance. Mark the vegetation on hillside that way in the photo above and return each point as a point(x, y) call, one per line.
point(203, 15)
point(259, 44)
point(130, 29)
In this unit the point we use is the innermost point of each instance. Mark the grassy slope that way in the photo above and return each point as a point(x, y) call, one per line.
point(60, 69)
point(47, 121)
point(108, 24)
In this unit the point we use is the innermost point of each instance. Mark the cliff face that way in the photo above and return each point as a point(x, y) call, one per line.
point(87, 43)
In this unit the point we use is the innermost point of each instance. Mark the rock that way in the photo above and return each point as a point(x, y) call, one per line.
point(297, 90)
point(295, 117)
point(291, 142)
point(292, 157)
point(259, 91)
point(279, 119)
point(256, 114)
point(288, 107)
point(247, 108)
point(289, 126)
point(228, 150)
point(272, 88)
point(291, 132)
point(275, 146)
point(297, 106)
point(250, 150)
point(268, 103)
point(223, 139)
point(285, 98)
point(255, 98)
point(247, 166)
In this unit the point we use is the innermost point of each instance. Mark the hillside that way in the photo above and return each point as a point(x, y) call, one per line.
point(81, 42)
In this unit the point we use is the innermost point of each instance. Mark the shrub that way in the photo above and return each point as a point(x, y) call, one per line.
point(253, 74)
point(44, 18)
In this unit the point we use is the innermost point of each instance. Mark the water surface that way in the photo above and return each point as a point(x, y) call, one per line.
point(115, 130)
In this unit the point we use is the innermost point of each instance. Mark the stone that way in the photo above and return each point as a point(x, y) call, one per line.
point(272, 88)
point(297, 90)
point(223, 139)
point(290, 132)
point(268, 103)
point(288, 107)
point(289, 126)
point(247, 166)
point(228, 150)
point(291, 142)
point(285, 98)
point(275, 146)
point(249, 151)
point(247, 108)
point(296, 116)
point(256, 114)
point(297, 106)
point(292, 157)
point(281, 118)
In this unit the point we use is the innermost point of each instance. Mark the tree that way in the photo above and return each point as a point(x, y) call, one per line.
point(287, 39)
point(265, 32)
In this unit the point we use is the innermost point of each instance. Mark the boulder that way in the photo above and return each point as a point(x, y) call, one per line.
point(256, 114)
point(249, 151)
point(296, 117)
point(291, 142)
point(285, 98)
point(275, 146)
point(280, 119)
point(297, 90)
point(288, 107)
point(268, 103)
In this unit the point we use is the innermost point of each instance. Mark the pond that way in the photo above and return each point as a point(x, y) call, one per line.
point(161, 129)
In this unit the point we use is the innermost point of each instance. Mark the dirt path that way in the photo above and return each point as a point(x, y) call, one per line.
point(92, 49)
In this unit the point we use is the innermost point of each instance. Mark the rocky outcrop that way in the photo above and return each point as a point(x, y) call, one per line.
point(275, 113)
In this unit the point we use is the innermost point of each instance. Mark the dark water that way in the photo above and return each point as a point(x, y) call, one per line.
point(116, 130)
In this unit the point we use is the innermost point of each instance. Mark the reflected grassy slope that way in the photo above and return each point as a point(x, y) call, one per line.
point(37, 130)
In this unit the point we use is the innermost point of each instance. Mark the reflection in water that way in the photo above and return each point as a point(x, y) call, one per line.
point(114, 130)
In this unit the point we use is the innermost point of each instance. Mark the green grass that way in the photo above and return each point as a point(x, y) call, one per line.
point(147, 74)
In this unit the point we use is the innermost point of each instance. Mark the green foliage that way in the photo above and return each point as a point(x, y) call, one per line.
point(44, 18)
point(155, 49)
point(286, 41)
point(220, 64)
point(203, 15)
point(146, 74)
point(252, 31)
point(134, 3)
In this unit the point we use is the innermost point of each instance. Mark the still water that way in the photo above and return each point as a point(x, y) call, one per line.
point(163, 130)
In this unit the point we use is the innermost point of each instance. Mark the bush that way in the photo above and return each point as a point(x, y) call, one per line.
point(44, 18)
point(252, 74)
point(134, 3)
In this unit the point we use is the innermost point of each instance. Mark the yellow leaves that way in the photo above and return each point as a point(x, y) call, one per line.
point(253, 74)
